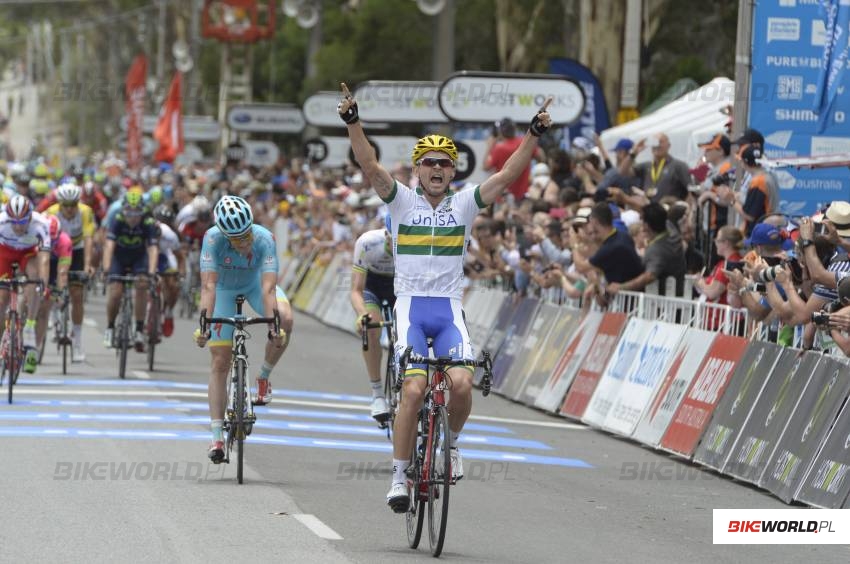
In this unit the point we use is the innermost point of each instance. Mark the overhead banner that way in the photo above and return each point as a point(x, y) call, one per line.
point(399, 102)
point(641, 381)
point(770, 415)
point(595, 116)
point(807, 429)
point(616, 370)
point(789, 38)
point(736, 403)
point(479, 97)
point(265, 118)
point(827, 483)
point(551, 349)
point(568, 363)
point(320, 110)
point(195, 128)
point(601, 349)
point(694, 413)
point(530, 348)
point(517, 329)
point(687, 359)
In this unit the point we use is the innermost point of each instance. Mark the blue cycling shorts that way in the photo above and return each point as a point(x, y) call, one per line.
point(441, 319)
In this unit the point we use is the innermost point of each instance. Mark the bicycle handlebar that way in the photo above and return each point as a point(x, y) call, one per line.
point(365, 324)
point(441, 362)
point(240, 322)
point(15, 283)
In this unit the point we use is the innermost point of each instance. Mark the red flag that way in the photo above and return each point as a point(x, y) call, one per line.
point(169, 129)
point(134, 88)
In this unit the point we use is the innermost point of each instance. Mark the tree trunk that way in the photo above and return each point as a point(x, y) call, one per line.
point(601, 46)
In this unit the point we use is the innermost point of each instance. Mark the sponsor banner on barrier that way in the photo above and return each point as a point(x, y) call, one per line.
point(603, 346)
point(737, 401)
point(827, 483)
point(771, 415)
point(565, 363)
point(535, 386)
point(496, 336)
point(780, 526)
point(474, 305)
point(807, 428)
point(530, 349)
point(687, 359)
point(336, 283)
point(517, 329)
point(702, 396)
point(640, 383)
point(616, 370)
point(305, 292)
point(322, 295)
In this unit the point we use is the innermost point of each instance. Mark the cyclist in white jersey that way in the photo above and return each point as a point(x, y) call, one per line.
point(171, 264)
point(431, 229)
point(371, 284)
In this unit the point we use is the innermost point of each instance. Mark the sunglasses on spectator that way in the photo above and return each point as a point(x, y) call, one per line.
point(432, 162)
point(249, 236)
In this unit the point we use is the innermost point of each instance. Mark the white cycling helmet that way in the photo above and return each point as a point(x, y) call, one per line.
point(68, 192)
point(19, 207)
point(201, 204)
point(233, 216)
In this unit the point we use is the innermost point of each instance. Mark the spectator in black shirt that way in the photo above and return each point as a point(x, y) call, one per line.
point(616, 257)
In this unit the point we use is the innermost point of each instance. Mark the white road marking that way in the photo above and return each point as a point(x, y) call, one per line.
point(141, 374)
point(319, 529)
point(332, 405)
point(89, 322)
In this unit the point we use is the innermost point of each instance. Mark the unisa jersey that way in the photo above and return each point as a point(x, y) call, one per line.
point(237, 271)
point(429, 244)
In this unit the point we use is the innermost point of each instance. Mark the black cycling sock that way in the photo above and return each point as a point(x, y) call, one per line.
point(140, 325)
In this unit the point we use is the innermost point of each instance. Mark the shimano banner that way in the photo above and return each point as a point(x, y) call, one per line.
point(790, 39)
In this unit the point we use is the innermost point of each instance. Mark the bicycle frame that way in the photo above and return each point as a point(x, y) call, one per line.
point(388, 322)
point(11, 346)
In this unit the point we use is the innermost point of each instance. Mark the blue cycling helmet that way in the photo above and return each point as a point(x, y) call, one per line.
point(233, 216)
point(388, 222)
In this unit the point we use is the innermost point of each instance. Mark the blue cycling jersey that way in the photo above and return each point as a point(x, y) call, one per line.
point(236, 271)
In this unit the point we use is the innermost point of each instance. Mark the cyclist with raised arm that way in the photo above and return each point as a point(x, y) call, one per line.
point(24, 234)
point(238, 257)
point(431, 230)
point(131, 246)
point(371, 284)
point(77, 220)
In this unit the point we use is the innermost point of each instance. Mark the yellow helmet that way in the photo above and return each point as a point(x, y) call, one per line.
point(434, 143)
point(133, 197)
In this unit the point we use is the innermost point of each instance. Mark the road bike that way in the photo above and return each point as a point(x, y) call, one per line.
point(153, 320)
point(124, 332)
point(239, 416)
point(12, 343)
point(390, 393)
point(429, 475)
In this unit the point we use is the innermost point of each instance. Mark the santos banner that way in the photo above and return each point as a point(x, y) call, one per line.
point(603, 346)
point(640, 383)
point(753, 373)
point(616, 370)
point(530, 349)
point(536, 387)
point(517, 329)
point(770, 415)
point(686, 361)
point(568, 364)
point(827, 482)
point(811, 421)
point(702, 396)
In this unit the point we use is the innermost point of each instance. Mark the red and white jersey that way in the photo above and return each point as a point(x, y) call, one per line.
point(37, 234)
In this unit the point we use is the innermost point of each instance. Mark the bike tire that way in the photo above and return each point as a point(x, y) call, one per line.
point(239, 418)
point(13, 352)
point(390, 393)
point(153, 330)
point(415, 516)
point(439, 479)
point(64, 341)
point(123, 344)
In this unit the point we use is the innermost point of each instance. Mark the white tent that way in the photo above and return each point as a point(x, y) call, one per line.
point(687, 121)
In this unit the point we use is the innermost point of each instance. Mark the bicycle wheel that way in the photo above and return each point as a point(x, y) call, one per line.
point(439, 479)
point(66, 341)
point(390, 393)
point(415, 515)
point(153, 328)
point(239, 417)
point(123, 340)
point(13, 364)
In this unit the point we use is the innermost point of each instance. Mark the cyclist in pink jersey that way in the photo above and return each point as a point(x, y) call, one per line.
point(61, 251)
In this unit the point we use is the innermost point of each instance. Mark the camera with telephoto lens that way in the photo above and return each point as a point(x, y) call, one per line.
point(768, 274)
point(722, 179)
point(820, 318)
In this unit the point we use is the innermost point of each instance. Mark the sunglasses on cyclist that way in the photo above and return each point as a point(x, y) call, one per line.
point(249, 236)
point(22, 221)
point(69, 204)
point(432, 162)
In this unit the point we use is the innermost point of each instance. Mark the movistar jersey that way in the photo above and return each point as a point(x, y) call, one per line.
point(429, 244)
point(237, 271)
